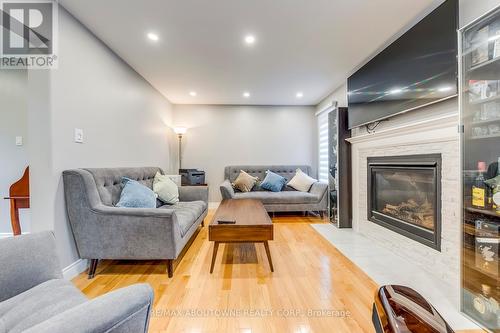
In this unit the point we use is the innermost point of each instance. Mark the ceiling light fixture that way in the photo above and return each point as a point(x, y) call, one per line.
point(246, 94)
point(192, 93)
point(250, 39)
point(152, 36)
point(299, 94)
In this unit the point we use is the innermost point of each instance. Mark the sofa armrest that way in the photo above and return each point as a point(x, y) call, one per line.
point(193, 193)
point(27, 261)
point(123, 310)
point(133, 212)
point(319, 189)
point(226, 190)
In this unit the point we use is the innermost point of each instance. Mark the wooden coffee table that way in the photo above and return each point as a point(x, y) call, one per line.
point(253, 225)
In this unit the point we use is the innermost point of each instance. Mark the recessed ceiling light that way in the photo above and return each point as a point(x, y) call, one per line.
point(445, 89)
point(192, 93)
point(246, 94)
point(250, 39)
point(152, 36)
point(299, 94)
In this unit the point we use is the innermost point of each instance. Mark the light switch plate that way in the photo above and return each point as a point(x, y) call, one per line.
point(78, 135)
point(19, 140)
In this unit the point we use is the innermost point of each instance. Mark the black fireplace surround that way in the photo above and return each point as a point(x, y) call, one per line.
point(404, 195)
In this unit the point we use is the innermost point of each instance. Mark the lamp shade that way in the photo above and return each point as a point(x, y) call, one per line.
point(180, 130)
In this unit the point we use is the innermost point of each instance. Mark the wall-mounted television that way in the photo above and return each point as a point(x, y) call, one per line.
point(418, 69)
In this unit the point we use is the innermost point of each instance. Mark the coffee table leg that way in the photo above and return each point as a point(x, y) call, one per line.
point(214, 255)
point(266, 245)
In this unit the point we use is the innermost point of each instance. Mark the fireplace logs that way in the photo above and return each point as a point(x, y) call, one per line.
point(409, 211)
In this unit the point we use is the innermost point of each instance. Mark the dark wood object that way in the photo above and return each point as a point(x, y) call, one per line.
point(253, 225)
point(399, 309)
point(92, 268)
point(19, 197)
point(170, 268)
point(344, 171)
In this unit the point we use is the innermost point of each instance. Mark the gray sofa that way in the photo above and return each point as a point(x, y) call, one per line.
point(103, 231)
point(288, 200)
point(34, 297)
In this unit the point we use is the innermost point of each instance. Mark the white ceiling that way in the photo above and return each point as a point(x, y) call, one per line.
point(302, 45)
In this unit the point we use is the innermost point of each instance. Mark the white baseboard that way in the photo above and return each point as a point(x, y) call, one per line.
point(74, 269)
point(9, 234)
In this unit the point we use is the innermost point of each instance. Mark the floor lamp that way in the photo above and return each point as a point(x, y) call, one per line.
point(180, 131)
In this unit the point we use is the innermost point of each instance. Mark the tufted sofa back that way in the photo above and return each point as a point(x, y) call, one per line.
point(287, 171)
point(108, 180)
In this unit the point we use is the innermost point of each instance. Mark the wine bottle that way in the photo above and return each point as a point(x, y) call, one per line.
point(479, 187)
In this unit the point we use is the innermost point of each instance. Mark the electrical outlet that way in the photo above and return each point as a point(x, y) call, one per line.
point(78, 135)
point(19, 140)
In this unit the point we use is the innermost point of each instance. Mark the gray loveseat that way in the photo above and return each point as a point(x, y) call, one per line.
point(103, 231)
point(288, 200)
point(34, 297)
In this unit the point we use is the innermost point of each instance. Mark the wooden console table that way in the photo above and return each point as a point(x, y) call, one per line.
point(19, 197)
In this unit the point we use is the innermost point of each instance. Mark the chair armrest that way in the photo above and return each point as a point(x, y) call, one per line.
point(318, 189)
point(123, 310)
point(193, 193)
point(27, 261)
point(226, 190)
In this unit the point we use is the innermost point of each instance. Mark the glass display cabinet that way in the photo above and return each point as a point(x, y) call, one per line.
point(480, 122)
point(332, 165)
point(339, 168)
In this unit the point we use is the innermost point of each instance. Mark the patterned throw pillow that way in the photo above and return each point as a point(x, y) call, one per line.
point(244, 182)
point(136, 195)
point(167, 190)
point(301, 181)
point(273, 182)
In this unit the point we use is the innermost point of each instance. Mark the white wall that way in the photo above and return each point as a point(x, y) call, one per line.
point(228, 135)
point(13, 159)
point(125, 122)
point(472, 9)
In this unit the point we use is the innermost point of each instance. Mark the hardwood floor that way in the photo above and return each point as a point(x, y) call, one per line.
point(314, 288)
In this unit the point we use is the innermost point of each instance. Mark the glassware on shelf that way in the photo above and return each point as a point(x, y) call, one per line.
point(480, 117)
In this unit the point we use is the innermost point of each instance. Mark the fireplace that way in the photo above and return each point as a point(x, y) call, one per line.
point(404, 195)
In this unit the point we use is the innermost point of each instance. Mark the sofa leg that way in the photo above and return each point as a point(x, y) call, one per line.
point(202, 223)
point(92, 268)
point(170, 268)
point(322, 214)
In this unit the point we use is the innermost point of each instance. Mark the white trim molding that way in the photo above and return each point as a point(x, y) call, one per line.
point(72, 270)
point(435, 123)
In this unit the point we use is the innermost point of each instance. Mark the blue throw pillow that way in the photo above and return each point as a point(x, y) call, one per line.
point(136, 195)
point(273, 182)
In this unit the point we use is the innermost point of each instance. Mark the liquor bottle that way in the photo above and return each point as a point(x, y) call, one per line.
point(486, 305)
point(479, 187)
